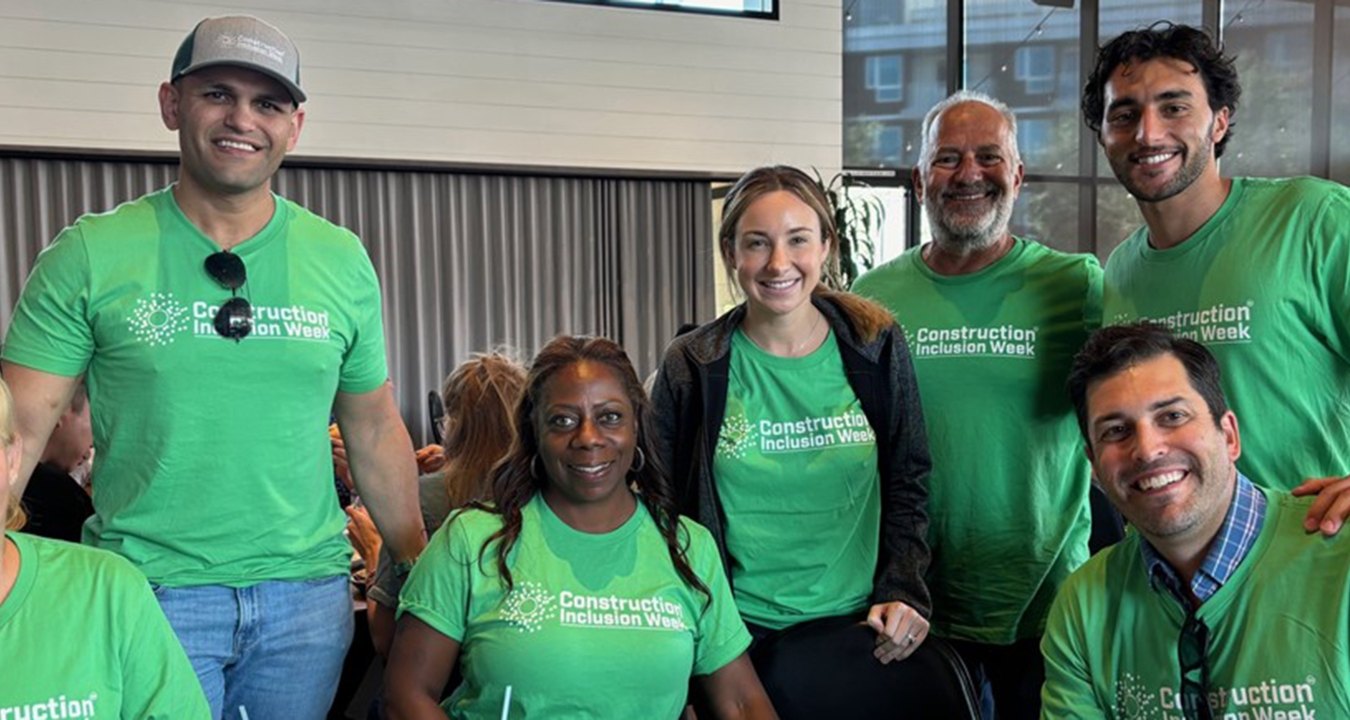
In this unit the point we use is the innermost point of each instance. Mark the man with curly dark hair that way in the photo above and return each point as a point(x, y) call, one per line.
point(1257, 269)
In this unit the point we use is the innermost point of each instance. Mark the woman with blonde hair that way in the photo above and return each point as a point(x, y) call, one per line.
point(793, 428)
point(479, 398)
point(81, 632)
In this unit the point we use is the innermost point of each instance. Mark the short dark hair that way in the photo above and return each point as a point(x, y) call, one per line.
point(1164, 39)
point(1115, 348)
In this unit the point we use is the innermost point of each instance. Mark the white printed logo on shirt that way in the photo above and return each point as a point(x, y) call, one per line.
point(1001, 341)
point(1269, 698)
point(1218, 324)
point(156, 320)
point(53, 708)
point(740, 434)
point(527, 606)
point(530, 605)
point(160, 318)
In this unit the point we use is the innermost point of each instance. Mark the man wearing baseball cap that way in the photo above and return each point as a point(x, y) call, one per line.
point(217, 325)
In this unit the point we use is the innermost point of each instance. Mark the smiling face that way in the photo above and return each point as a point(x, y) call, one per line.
point(234, 127)
point(778, 253)
point(587, 430)
point(1158, 131)
point(1158, 453)
point(973, 177)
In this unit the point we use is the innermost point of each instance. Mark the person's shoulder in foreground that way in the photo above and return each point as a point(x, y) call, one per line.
point(84, 637)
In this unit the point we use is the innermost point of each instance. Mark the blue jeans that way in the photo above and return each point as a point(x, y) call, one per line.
point(271, 651)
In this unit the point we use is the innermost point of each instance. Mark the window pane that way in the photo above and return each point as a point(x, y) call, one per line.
point(1027, 56)
point(1273, 42)
point(885, 75)
point(1340, 96)
point(1118, 16)
point(1048, 212)
point(894, 70)
point(893, 227)
point(755, 8)
point(1117, 217)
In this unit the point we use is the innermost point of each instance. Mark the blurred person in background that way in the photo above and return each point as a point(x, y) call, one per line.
point(479, 398)
point(56, 500)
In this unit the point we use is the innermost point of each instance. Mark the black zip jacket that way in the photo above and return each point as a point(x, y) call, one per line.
point(689, 401)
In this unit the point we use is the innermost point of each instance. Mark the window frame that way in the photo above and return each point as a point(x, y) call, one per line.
point(1024, 62)
point(871, 79)
point(666, 6)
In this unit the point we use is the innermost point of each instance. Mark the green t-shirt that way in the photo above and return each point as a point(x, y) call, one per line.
point(213, 457)
point(597, 626)
point(82, 636)
point(1265, 285)
point(796, 473)
point(1279, 632)
point(1008, 495)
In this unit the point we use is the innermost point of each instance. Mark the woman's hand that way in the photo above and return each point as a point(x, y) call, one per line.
point(900, 630)
point(430, 459)
point(340, 466)
point(365, 538)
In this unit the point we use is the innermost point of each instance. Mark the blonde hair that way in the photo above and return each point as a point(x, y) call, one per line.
point(14, 516)
point(480, 398)
point(867, 318)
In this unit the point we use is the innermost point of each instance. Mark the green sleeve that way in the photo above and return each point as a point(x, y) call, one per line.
point(721, 635)
point(438, 588)
point(364, 366)
point(1331, 249)
point(1092, 304)
point(1068, 692)
point(50, 329)
point(158, 680)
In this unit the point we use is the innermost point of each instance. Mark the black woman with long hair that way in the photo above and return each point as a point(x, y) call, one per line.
point(577, 591)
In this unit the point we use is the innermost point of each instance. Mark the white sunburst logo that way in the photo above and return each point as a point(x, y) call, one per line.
point(158, 318)
point(738, 436)
point(527, 607)
point(1133, 700)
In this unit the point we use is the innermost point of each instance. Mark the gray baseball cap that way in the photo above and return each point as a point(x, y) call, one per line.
point(241, 41)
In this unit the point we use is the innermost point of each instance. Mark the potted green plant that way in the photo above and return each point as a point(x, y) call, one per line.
point(858, 216)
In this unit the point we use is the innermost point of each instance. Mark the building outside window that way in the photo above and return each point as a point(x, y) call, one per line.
point(1035, 68)
point(886, 78)
point(1029, 53)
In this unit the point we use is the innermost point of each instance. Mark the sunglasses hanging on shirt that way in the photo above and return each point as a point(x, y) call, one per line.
point(234, 319)
point(1191, 650)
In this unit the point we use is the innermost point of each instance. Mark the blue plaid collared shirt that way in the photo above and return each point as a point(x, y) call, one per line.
point(1236, 536)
